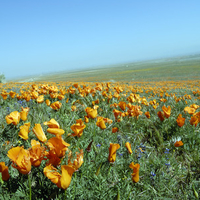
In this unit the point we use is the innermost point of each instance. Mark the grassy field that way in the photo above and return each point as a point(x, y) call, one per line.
point(130, 131)
point(179, 68)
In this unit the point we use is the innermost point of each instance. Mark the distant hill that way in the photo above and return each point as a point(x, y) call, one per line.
point(175, 68)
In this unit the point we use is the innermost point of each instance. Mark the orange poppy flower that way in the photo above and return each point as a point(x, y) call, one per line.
point(114, 129)
point(128, 146)
point(134, 111)
point(100, 123)
point(52, 123)
point(147, 114)
point(62, 180)
point(21, 159)
point(53, 95)
point(190, 110)
point(58, 145)
point(75, 85)
point(24, 113)
point(27, 97)
point(161, 115)
point(40, 99)
point(24, 130)
point(194, 120)
point(135, 174)
point(34, 95)
point(73, 108)
point(178, 144)
point(39, 133)
point(13, 117)
point(117, 113)
point(47, 102)
point(194, 106)
point(60, 96)
point(78, 160)
point(56, 131)
point(91, 112)
point(53, 158)
point(4, 171)
point(12, 94)
point(37, 153)
point(95, 102)
point(122, 105)
point(86, 119)
point(112, 152)
point(78, 128)
point(107, 120)
point(197, 115)
point(180, 120)
point(4, 95)
point(167, 111)
point(56, 105)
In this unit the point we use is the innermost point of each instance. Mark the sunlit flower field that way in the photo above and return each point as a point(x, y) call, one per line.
point(108, 140)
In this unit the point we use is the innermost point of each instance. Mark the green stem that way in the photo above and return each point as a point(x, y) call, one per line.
point(29, 180)
point(74, 186)
point(109, 169)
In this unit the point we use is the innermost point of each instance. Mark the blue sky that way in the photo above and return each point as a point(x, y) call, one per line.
point(43, 36)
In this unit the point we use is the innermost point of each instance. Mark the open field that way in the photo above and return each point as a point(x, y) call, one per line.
point(114, 138)
point(179, 68)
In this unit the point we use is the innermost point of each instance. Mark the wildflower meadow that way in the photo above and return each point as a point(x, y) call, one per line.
point(100, 140)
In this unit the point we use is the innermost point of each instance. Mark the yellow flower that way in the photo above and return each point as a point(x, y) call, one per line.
point(78, 160)
point(161, 115)
point(58, 145)
point(167, 111)
point(13, 117)
point(112, 152)
point(56, 105)
point(37, 153)
point(135, 174)
point(122, 105)
point(47, 102)
point(62, 180)
point(100, 123)
point(4, 171)
point(39, 133)
point(147, 114)
point(52, 124)
point(12, 94)
point(178, 144)
point(21, 159)
point(40, 99)
point(92, 112)
point(180, 120)
point(128, 146)
point(24, 130)
point(78, 128)
point(53, 158)
point(60, 96)
point(56, 131)
point(24, 113)
point(4, 95)
point(86, 119)
point(114, 129)
point(73, 108)
point(190, 110)
point(195, 119)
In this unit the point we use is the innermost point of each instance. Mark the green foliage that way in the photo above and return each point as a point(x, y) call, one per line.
point(166, 172)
